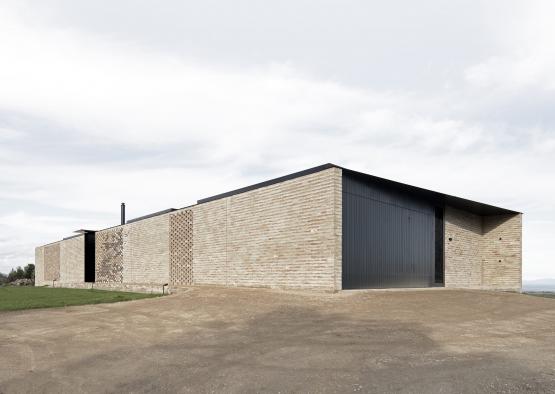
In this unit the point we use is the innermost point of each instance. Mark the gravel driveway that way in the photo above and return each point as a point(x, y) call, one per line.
point(257, 340)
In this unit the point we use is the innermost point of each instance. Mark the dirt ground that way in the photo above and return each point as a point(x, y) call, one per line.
point(253, 340)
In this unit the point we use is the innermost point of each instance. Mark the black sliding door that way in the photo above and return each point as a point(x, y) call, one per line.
point(389, 236)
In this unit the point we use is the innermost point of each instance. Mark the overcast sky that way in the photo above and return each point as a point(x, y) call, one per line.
point(161, 103)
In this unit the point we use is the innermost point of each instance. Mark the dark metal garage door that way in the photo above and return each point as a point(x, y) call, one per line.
point(389, 236)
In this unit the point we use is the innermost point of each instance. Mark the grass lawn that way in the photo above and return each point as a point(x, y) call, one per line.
point(14, 298)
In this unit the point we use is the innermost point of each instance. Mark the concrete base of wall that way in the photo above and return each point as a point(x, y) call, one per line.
point(157, 288)
point(305, 290)
point(135, 287)
point(486, 288)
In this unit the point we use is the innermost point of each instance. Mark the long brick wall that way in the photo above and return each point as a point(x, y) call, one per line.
point(483, 251)
point(284, 235)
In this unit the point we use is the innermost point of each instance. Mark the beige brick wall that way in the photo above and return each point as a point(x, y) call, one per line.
point(338, 226)
point(463, 234)
point(284, 235)
point(135, 253)
point(502, 252)
point(483, 251)
point(209, 243)
point(146, 251)
point(72, 260)
point(39, 266)
point(52, 262)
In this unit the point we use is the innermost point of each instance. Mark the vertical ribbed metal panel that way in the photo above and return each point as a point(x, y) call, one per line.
point(439, 242)
point(388, 236)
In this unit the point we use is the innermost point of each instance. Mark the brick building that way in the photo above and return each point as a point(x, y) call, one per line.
point(325, 228)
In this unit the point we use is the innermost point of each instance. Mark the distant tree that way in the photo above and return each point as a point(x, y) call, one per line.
point(15, 274)
point(22, 273)
point(3, 278)
point(12, 275)
point(29, 271)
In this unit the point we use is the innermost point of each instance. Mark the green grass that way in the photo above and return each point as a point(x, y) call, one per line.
point(547, 294)
point(30, 297)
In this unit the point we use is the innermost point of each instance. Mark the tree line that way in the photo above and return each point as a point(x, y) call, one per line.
point(27, 272)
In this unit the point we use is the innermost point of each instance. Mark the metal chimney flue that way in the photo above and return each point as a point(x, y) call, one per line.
point(122, 213)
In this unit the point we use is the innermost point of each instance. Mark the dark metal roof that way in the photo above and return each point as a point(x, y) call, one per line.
point(151, 215)
point(441, 198)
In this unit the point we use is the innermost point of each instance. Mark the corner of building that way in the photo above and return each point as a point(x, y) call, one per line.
point(483, 252)
point(337, 174)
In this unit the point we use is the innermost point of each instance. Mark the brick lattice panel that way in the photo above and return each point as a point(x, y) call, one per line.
point(52, 262)
point(181, 248)
point(109, 256)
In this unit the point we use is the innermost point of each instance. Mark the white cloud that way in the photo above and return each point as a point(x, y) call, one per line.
point(87, 121)
point(20, 232)
point(528, 56)
point(9, 134)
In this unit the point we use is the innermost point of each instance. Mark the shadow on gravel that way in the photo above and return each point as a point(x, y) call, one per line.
point(290, 349)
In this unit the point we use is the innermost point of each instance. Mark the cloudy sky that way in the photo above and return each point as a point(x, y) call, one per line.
point(160, 103)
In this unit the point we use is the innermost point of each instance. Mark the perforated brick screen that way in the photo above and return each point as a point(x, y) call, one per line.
point(109, 255)
point(181, 248)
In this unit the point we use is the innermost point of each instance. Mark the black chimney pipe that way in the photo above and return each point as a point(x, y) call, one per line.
point(122, 213)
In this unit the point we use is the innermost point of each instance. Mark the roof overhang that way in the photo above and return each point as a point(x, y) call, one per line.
point(441, 198)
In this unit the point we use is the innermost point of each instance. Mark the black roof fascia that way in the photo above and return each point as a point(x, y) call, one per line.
point(151, 215)
point(73, 236)
point(269, 182)
point(84, 231)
